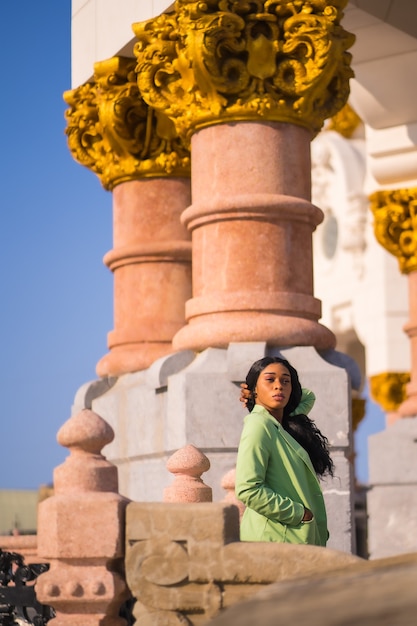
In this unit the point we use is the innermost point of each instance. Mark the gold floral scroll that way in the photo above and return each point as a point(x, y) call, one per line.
point(231, 60)
point(389, 389)
point(345, 122)
point(113, 132)
point(395, 224)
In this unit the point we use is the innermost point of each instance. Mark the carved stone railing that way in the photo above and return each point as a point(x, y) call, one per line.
point(185, 562)
point(26, 545)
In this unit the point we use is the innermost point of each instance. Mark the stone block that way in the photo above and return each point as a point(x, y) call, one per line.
point(392, 523)
point(393, 454)
point(392, 498)
point(69, 526)
point(362, 593)
point(241, 356)
point(216, 523)
point(158, 373)
point(331, 385)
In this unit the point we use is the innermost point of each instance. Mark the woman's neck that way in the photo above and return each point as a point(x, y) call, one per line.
point(278, 414)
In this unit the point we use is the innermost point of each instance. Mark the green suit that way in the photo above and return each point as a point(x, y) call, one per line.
point(276, 480)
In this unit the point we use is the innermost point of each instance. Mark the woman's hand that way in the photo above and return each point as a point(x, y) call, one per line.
point(244, 394)
point(308, 515)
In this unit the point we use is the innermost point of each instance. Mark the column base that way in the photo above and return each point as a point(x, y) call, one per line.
point(218, 330)
point(128, 359)
point(408, 408)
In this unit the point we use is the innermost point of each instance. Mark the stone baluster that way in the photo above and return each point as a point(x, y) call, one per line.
point(228, 483)
point(248, 85)
point(81, 530)
point(187, 465)
point(395, 226)
point(137, 155)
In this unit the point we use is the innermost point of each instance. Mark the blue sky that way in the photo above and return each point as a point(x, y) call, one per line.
point(56, 294)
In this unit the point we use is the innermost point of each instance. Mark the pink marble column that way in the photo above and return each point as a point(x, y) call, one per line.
point(409, 407)
point(151, 262)
point(252, 222)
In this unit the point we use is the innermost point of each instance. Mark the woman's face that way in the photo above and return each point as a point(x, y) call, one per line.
point(273, 389)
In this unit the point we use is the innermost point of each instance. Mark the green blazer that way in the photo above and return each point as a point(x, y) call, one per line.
point(276, 480)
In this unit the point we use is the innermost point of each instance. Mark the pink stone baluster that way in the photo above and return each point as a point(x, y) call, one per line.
point(187, 465)
point(81, 530)
point(228, 483)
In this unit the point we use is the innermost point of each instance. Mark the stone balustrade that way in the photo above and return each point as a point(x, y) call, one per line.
point(185, 562)
point(26, 545)
point(81, 530)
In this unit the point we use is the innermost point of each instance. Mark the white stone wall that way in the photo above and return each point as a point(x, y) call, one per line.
point(364, 297)
point(103, 28)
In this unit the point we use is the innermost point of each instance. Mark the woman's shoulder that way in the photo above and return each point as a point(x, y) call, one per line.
point(259, 417)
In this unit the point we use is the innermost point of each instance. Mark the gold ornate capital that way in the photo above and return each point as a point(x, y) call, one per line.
point(345, 122)
point(389, 389)
point(113, 132)
point(395, 224)
point(229, 60)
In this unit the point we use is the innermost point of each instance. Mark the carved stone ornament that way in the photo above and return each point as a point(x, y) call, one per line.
point(395, 225)
point(389, 389)
point(229, 60)
point(345, 122)
point(115, 134)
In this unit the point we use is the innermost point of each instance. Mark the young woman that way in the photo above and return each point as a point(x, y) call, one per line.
point(281, 454)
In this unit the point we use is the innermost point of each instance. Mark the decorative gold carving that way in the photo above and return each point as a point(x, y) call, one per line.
point(395, 224)
point(113, 132)
point(345, 122)
point(389, 389)
point(228, 60)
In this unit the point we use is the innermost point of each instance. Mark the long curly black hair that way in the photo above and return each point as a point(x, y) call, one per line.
point(299, 426)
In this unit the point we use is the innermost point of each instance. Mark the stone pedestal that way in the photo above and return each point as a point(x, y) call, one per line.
point(392, 499)
point(185, 399)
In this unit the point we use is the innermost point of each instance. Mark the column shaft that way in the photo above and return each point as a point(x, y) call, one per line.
point(252, 224)
point(409, 407)
point(151, 262)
